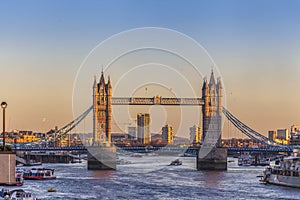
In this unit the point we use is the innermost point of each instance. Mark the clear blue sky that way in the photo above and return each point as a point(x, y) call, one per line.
point(255, 43)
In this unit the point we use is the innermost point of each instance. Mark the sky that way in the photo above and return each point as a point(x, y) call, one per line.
point(255, 45)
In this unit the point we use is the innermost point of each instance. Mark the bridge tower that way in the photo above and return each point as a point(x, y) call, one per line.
point(211, 155)
point(102, 155)
point(212, 111)
point(102, 111)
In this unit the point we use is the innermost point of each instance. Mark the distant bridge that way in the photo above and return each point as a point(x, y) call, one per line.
point(161, 149)
point(211, 114)
point(79, 148)
point(260, 150)
point(269, 144)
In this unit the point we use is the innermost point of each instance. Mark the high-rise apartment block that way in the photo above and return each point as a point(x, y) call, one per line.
point(195, 134)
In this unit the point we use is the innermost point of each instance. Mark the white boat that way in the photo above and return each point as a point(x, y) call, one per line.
point(287, 173)
point(176, 162)
point(122, 162)
point(188, 155)
point(39, 174)
point(17, 194)
point(263, 162)
point(245, 159)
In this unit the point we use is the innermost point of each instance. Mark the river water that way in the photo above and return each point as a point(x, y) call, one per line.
point(149, 177)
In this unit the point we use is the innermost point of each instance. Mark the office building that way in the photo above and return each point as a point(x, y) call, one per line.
point(143, 128)
point(167, 134)
point(282, 134)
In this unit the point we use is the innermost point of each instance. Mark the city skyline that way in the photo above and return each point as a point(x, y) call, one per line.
point(258, 59)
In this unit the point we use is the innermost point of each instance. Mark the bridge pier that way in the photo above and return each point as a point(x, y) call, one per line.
point(214, 159)
point(7, 168)
point(101, 158)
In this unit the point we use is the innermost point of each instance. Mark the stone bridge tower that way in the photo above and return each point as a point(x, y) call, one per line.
point(212, 111)
point(102, 155)
point(211, 155)
point(102, 111)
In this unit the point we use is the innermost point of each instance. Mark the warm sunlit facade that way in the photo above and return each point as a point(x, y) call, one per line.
point(143, 128)
point(167, 134)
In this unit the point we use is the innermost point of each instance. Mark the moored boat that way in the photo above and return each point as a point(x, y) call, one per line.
point(189, 155)
point(245, 159)
point(32, 163)
point(286, 173)
point(262, 162)
point(137, 155)
point(39, 174)
point(18, 180)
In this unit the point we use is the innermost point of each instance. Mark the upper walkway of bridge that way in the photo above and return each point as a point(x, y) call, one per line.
point(157, 100)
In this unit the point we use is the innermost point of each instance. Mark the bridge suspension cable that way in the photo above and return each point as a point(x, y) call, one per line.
point(250, 132)
point(64, 130)
point(70, 126)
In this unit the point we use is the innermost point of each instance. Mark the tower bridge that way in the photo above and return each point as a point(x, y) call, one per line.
point(211, 102)
point(212, 111)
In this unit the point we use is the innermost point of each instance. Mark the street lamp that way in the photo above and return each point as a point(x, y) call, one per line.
point(3, 106)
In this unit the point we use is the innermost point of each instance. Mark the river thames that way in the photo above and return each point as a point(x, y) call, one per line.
point(149, 177)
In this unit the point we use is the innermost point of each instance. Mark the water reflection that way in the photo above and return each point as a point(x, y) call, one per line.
point(213, 179)
point(103, 175)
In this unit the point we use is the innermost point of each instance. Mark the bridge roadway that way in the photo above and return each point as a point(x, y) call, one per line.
point(150, 149)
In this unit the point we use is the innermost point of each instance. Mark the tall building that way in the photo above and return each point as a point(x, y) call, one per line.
point(282, 134)
point(143, 128)
point(212, 111)
point(167, 134)
point(195, 134)
point(272, 135)
point(102, 111)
